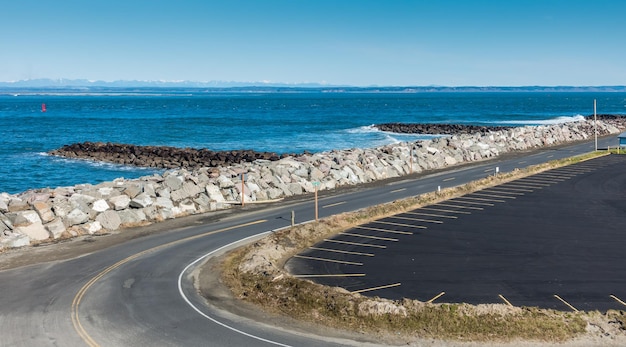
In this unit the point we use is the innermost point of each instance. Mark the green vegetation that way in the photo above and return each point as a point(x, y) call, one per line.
point(272, 289)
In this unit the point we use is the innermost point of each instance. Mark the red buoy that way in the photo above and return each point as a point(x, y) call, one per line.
point(43, 107)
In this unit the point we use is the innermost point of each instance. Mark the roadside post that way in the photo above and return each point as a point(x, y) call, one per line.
point(244, 176)
point(316, 184)
point(595, 126)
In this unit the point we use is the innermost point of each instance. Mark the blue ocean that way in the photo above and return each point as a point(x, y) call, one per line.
point(282, 122)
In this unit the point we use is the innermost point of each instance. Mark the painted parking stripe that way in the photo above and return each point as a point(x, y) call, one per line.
point(461, 207)
point(435, 297)
point(328, 260)
point(552, 177)
point(515, 189)
point(398, 190)
point(500, 190)
point(418, 219)
point(384, 230)
point(371, 237)
point(504, 299)
point(471, 197)
point(341, 251)
point(355, 243)
point(328, 275)
point(566, 303)
point(617, 299)
point(459, 199)
point(431, 215)
point(448, 179)
point(444, 210)
point(494, 196)
point(376, 288)
point(401, 224)
point(525, 185)
point(536, 182)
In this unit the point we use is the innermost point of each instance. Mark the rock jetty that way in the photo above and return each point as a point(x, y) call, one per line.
point(47, 214)
point(159, 156)
point(437, 129)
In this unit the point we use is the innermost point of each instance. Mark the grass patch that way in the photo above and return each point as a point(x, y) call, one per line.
point(255, 273)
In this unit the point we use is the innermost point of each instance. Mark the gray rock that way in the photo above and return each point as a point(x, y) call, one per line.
point(132, 217)
point(56, 228)
point(109, 220)
point(132, 190)
point(140, 201)
point(44, 210)
point(100, 205)
point(76, 216)
point(214, 193)
point(187, 190)
point(173, 182)
point(15, 240)
point(120, 202)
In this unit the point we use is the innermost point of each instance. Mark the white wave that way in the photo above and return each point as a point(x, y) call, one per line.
point(557, 120)
point(363, 130)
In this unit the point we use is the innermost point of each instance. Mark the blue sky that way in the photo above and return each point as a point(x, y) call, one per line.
point(361, 43)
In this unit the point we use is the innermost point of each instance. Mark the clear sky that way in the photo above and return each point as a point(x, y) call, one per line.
point(354, 42)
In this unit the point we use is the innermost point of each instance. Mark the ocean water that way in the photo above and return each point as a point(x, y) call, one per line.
point(283, 122)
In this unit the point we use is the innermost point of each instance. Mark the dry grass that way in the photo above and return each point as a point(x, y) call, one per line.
point(255, 273)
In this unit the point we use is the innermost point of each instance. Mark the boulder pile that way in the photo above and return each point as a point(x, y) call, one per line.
point(437, 129)
point(47, 214)
point(159, 156)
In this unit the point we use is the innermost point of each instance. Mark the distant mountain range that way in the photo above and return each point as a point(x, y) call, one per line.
point(81, 85)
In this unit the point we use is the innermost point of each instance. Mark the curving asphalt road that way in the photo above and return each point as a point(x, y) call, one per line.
point(139, 292)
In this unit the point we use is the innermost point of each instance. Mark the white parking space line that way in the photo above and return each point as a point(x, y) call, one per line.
point(371, 237)
point(443, 210)
point(327, 260)
point(494, 196)
point(384, 230)
point(566, 303)
point(431, 215)
point(418, 219)
point(355, 243)
point(461, 207)
point(501, 190)
point(402, 225)
point(328, 275)
point(335, 204)
point(471, 197)
point(376, 288)
point(341, 251)
point(460, 199)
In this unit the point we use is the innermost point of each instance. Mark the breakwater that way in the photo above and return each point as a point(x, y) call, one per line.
point(53, 213)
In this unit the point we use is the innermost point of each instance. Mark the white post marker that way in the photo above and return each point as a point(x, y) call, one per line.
point(497, 170)
point(438, 189)
point(595, 126)
point(316, 184)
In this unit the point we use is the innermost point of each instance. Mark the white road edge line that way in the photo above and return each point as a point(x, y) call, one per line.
point(182, 294)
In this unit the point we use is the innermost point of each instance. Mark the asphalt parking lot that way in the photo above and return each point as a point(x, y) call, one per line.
point(553, 240)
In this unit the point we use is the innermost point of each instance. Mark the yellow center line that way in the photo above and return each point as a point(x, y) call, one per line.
point(329, 275)
point(401, 225)
point(566, 303)
point(463, 207)
point(328, 260)
point(397, 190)
point(384, 230)
point(371, 237)
point(494, 196)
point(617, 299)
point(341, 251)
point(335, 204)
point(444, 210)
point(83, 290)
point(376, 288)
point(435, 297)
point(431, 215)
point(355, 243)
point(448, 179)
point(419, 219)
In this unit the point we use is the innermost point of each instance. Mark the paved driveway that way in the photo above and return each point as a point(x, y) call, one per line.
point(555, 240)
